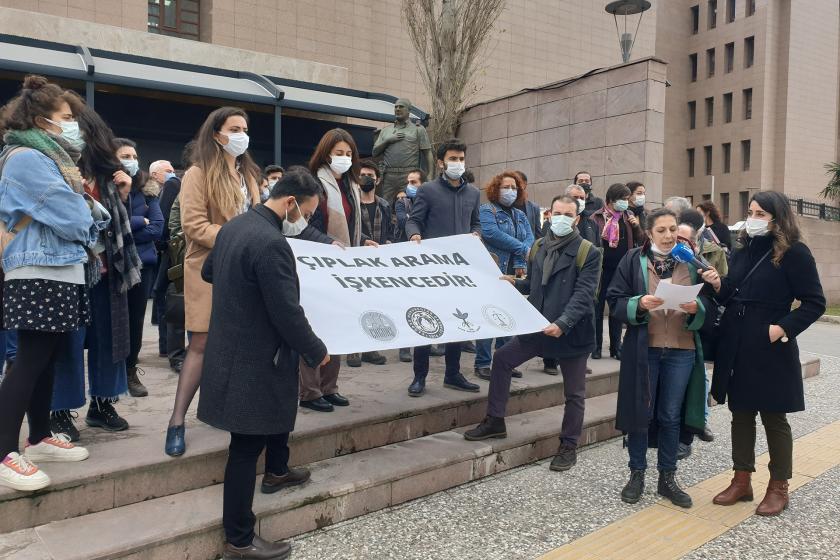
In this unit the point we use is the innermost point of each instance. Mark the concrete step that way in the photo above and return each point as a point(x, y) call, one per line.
point(188, 525)
point(130, 466)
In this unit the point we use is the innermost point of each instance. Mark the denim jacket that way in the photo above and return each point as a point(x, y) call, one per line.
point(62, 225)
point(502, 239)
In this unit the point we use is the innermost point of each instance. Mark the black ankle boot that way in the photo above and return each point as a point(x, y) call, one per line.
point(632, 492)
point(669, 488)
point(490, 427)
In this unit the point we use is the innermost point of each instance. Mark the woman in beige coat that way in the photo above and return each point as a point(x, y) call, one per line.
point(222, 183)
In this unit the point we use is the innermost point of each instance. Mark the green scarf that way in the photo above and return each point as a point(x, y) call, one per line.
point(64, 154)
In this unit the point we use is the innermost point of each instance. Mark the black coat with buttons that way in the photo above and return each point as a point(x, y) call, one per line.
point(753, 373)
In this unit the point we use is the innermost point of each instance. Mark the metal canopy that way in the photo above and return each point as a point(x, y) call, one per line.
point(97, 66)
point(627, 7)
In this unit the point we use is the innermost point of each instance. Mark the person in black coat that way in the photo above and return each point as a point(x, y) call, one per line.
point(258, 334)
point(662, 381)
point(714, 222)
point(561, 283)
point(757, 366)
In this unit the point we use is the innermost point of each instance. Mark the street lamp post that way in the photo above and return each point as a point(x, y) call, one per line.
point(625, 8)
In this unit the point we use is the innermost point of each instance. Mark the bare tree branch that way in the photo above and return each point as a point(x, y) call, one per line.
point(448, 36)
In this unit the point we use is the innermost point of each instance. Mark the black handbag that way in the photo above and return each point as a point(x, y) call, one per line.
point(710, 331)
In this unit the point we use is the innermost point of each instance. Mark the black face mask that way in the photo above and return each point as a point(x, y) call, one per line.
point(367, 184)
point(587, 187)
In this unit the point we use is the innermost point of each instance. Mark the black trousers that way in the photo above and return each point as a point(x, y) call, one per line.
point(138, 298)
point(238, 517)
point(27, 389)
point(453, 360)
point(614, 324)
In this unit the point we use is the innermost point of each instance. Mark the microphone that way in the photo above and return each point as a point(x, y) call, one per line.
point(682, 253)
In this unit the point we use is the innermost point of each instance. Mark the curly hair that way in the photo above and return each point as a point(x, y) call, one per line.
point(493, 187)
point(711, 209)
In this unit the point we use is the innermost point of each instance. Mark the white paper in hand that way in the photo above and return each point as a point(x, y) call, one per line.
point(674, 294)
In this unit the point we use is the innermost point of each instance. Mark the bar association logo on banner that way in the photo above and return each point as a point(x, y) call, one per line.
point(362, 299)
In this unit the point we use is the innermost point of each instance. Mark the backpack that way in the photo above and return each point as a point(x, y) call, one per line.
point(6, 234)
point(580, 258)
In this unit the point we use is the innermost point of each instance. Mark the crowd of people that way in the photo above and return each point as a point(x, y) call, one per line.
point(89, 236)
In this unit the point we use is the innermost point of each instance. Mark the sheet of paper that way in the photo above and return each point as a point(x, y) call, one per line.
point(674, 294)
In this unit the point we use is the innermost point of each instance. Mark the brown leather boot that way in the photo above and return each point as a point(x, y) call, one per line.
point(775, 500)
point(739, 490)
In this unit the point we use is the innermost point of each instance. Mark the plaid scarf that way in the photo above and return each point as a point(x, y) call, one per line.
point(374, 230)
point(123, 261)
point(62, 152)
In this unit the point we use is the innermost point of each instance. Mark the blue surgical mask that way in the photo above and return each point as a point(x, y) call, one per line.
point(411, 191)
point(621, 205)
point(562, 226)
point(507, 197)
point(132, 166)
point(70, 132)
point(168, 176)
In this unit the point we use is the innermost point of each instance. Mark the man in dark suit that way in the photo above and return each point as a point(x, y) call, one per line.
point(258, 335)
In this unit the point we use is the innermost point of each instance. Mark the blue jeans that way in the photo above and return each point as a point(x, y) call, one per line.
point(106, 378)
point(9, 344)
point(669, 371)
point(483, 355)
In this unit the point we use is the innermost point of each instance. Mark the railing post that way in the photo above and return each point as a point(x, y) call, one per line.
point(799, 204)
point(822, 211)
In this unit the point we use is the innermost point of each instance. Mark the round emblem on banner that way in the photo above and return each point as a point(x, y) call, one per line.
point(378, 326)
point(424, 322)
point(499, 317)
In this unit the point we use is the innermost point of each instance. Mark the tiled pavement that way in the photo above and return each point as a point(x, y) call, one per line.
point(530, 512)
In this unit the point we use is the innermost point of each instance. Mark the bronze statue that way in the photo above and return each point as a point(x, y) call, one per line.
point(406, 147)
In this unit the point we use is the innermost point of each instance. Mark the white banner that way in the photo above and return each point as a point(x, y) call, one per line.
point(403, 295)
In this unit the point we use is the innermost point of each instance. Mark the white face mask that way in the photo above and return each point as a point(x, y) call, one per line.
point(293, 229)
point(69, 131)
point(237, 143)
point(341, 164)
point(508, 197)
point(620, 205)
point(454, 169)
point(640, 200)
point(756, 227)
point(132, 166)
point(561, 226)
point(581, 205)
point(657, 251)
point(272, 183)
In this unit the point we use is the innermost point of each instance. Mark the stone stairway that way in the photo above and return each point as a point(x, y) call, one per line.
point(129, 500)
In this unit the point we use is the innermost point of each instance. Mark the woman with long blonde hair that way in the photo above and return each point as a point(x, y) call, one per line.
point(222, 183)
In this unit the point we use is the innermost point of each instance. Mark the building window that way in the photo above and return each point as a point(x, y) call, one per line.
point(710, 62)
point(707, 197)
point(727, 107)
point(745, 155)
point(695, 20)
point(730, 11)
point(177, 18)
point(749, 52)
point(690, 153)
point(708, 153)
point(710, 111)
point(693, 60)
point(747, 104)
point(729, 57)
point(712, 14)
point(744, 201)
point(727, 157)
point(692, 115)
point(724, 206)
point(750, 7)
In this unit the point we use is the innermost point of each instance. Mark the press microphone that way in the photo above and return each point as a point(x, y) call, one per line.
point(682, 253)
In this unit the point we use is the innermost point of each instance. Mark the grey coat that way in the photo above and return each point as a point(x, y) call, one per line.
point(258, 329)
point(441, 210)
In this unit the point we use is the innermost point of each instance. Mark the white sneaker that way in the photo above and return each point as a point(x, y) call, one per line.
point(18, 473)
point(56, 448)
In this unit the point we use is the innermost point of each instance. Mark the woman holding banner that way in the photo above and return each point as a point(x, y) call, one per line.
point(335, 163)
point(222, 183)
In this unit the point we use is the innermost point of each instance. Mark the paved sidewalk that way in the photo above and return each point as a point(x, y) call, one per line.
point(530, 512)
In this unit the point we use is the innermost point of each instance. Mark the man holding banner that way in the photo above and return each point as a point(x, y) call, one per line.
point(443, 207)
point(562, 281)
